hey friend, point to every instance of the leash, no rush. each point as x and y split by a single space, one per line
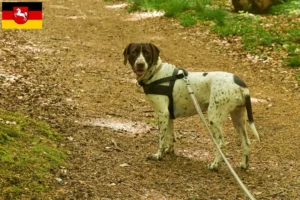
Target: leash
191 92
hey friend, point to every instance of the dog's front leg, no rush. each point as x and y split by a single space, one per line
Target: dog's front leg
166 136
166 129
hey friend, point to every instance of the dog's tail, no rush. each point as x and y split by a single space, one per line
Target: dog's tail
250 116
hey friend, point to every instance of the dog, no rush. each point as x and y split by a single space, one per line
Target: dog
220 93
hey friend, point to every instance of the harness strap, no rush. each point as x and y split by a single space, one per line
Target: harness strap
167 90
170 94
174 77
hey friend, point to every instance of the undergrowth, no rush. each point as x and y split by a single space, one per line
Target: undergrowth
257 32
28 156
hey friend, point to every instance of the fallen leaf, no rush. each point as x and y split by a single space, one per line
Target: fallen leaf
58 179
124 165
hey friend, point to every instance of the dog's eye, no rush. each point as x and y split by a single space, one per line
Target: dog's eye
146 53
134 53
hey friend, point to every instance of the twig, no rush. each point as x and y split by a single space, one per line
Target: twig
116 145
272 195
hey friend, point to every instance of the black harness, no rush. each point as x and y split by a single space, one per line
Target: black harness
167 90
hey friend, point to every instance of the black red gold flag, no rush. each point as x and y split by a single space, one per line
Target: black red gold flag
22 15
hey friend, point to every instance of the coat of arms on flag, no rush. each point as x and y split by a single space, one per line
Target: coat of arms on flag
21 15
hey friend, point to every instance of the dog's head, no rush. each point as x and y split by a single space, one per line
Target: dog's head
141 56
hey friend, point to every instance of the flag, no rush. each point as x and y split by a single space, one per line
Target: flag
21 15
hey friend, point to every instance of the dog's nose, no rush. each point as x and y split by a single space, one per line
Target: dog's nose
140 66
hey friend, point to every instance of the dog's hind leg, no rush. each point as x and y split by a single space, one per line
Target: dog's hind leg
216 122
238 116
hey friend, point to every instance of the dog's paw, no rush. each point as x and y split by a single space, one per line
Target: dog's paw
213 166
243 166
155 157
169 150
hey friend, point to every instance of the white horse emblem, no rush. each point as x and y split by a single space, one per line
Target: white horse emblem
19 13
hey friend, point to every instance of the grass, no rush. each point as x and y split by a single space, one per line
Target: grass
294 61
252 36
288 7
28 156
175 7
188 19
258 34
215 15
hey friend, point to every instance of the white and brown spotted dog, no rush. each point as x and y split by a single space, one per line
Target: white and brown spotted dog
221 93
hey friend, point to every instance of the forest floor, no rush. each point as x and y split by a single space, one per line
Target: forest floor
71 75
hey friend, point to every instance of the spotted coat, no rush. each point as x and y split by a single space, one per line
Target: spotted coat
220 93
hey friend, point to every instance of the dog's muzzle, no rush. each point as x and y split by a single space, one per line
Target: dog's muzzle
140 69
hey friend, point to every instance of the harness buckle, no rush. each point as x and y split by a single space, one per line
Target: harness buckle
186 80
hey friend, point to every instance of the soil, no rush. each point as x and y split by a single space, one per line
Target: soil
71 74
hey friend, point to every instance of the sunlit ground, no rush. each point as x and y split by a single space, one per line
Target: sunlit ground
136 15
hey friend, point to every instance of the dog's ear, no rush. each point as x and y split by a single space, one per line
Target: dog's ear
126 53
155 53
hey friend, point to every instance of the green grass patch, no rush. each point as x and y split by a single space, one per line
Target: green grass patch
251 31
188 19
201 5
173 8
28 155
259 34
294 35
287 7
294 61
216 15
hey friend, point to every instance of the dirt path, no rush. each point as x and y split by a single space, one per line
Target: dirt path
109 127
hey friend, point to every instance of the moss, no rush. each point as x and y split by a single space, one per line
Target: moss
28 156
